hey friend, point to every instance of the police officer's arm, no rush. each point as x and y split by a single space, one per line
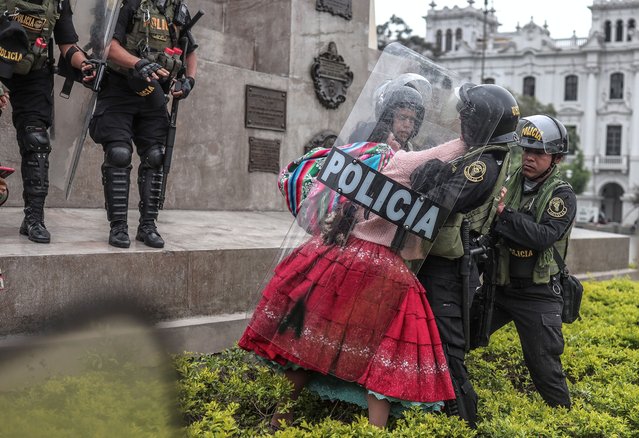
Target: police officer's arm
466 185
521 228
188 81
66 38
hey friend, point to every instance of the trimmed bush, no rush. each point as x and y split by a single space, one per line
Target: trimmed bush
233 394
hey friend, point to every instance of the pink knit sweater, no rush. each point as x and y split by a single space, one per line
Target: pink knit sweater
400 167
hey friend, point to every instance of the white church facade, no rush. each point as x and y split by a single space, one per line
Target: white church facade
592 82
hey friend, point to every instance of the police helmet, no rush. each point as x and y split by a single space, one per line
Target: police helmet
410 91
488 113
542 132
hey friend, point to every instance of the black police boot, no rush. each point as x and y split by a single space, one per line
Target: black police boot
35 183
33 223
150 186
116 183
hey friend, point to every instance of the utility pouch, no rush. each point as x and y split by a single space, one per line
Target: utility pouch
572 292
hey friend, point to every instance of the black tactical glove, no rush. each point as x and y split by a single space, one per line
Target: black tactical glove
185 85
146 68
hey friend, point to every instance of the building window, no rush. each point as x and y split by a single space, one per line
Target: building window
631 29
619 31
570 90
613 140
607 31
489 80
449 40
458 35
529 86
616 86
438 40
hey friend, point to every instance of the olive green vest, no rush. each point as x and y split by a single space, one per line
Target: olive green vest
545 266
150 33
448 243
38 21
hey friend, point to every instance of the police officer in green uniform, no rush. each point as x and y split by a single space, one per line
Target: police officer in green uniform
536 213
473 183
29 85
142 68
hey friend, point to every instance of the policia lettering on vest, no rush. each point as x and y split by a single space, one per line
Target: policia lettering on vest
144 66
449 275
26 74
536 213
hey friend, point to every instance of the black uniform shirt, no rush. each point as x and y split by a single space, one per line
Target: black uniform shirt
526 238
459 186
64 31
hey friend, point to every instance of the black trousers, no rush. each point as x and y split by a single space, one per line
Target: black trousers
536 312
123 116
444 288
30 98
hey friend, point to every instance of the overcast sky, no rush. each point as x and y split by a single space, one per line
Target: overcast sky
562 16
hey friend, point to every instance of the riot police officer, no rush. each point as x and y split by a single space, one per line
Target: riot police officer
536 214
468 187
142 68
26 27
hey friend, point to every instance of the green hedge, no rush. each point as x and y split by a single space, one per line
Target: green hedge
234 395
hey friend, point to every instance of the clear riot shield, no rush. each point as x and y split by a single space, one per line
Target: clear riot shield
341 300
94 22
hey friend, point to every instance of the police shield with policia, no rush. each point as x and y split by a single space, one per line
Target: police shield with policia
28 30
152 54
342 314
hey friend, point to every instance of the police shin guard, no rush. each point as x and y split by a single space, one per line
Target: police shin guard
116 183
35 148
150 186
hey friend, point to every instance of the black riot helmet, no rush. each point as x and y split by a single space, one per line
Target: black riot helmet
488 114
542 132
410 91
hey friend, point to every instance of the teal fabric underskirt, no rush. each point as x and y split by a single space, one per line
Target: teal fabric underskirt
331 388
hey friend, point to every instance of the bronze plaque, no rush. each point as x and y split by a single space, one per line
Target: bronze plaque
264 155
343 8
331 77
265 108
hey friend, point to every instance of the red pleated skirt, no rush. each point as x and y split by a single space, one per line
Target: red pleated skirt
355 312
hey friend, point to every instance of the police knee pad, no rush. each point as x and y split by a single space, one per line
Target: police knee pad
118 155
153 158
34 139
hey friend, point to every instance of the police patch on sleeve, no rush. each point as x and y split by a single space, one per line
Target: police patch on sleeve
475 172
557 207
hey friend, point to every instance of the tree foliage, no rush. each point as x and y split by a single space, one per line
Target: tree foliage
396 30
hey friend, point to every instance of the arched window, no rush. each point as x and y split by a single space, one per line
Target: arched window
449 40
529 86
616 86
458 35
619 31
438 40
608 31
570 88
631 29
489 80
